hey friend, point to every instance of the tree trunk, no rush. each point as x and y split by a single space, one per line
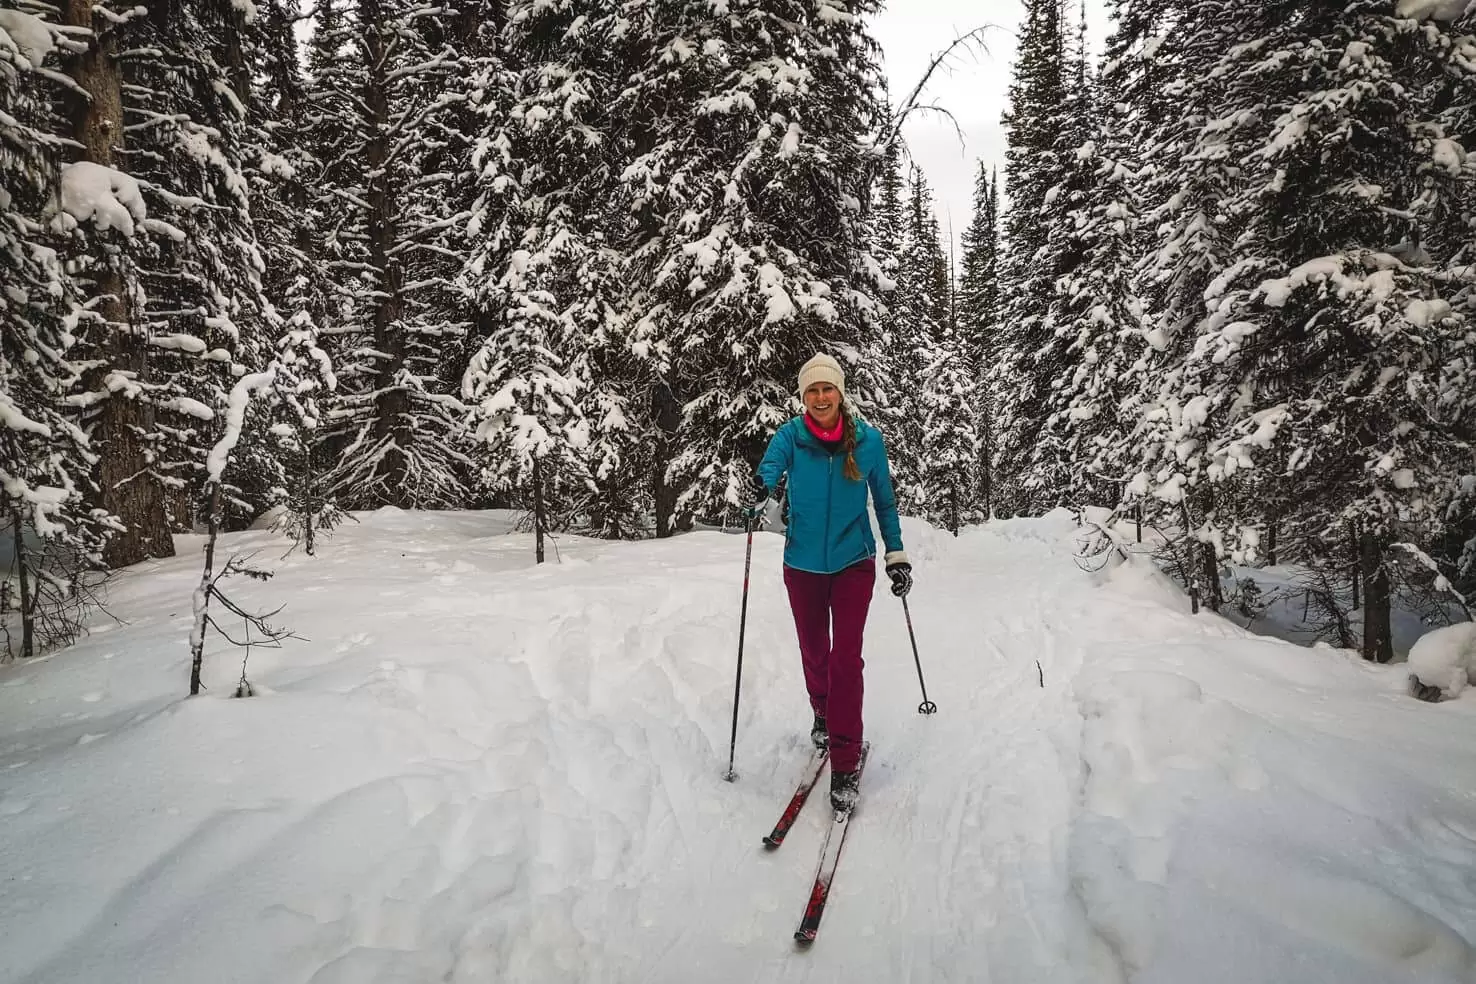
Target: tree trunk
28 615
126 486
392 403
1273 523
202 593
1214 595
1356 542
310 498
1378 637
986 456
538 518
668 416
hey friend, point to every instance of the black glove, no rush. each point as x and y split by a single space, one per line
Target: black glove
758 494
901 575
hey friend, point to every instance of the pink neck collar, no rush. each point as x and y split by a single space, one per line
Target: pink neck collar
834 434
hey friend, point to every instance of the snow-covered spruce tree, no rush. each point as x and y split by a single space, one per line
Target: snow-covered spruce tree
1331 361
916 316
202 307
978 329
892 399
1048 472
51 535
1036 125
102 221
526 409
282 170
753 186
921 364
1160 72
385 80
944 403
1096 315
547 277
304 381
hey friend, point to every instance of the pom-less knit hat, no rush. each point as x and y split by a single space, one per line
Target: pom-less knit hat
822 369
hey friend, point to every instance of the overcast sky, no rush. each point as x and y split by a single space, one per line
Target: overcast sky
974 88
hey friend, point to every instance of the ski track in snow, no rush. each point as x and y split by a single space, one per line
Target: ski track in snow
476 770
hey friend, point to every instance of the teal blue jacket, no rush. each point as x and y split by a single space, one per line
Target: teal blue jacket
828 527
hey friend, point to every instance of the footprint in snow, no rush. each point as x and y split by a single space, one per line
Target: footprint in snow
356 641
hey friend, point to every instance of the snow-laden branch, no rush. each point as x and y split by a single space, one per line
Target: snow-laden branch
236 405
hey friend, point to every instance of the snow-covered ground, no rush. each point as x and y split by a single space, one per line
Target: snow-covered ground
474 770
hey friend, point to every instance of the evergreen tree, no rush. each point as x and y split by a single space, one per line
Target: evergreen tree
1037 129
203 308
288 217
1161 67
949 442
45 459
888 352
920 354
386 82
1096 315
1326 370
912 338
751 184
978 329
100 222
545 279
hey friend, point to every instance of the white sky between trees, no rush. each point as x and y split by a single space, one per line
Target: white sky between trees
974 87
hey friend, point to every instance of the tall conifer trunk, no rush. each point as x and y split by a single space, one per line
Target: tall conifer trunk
127 487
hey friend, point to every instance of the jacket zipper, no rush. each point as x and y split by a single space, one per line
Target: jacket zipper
829 503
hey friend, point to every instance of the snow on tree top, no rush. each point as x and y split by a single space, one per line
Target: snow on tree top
1443 10
27 34
1451 156
109 199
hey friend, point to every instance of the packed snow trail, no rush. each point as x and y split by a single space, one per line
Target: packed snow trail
477 770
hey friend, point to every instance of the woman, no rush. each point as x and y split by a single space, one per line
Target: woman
832 459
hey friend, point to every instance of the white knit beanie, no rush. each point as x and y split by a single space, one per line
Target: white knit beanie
822 369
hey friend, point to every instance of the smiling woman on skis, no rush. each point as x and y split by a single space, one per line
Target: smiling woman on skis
833 460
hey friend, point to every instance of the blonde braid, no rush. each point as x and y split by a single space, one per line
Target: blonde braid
852 470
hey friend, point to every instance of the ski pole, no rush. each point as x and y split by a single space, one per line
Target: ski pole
927 706
742 625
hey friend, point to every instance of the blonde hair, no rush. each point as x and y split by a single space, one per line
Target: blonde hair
852 470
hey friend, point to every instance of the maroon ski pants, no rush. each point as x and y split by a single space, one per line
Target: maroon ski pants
830 616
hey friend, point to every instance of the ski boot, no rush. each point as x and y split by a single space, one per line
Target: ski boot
845 789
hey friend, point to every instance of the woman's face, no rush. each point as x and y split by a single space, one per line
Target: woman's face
823 402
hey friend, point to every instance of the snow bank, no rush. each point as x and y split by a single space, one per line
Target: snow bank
1256 811
470 768
1446 658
